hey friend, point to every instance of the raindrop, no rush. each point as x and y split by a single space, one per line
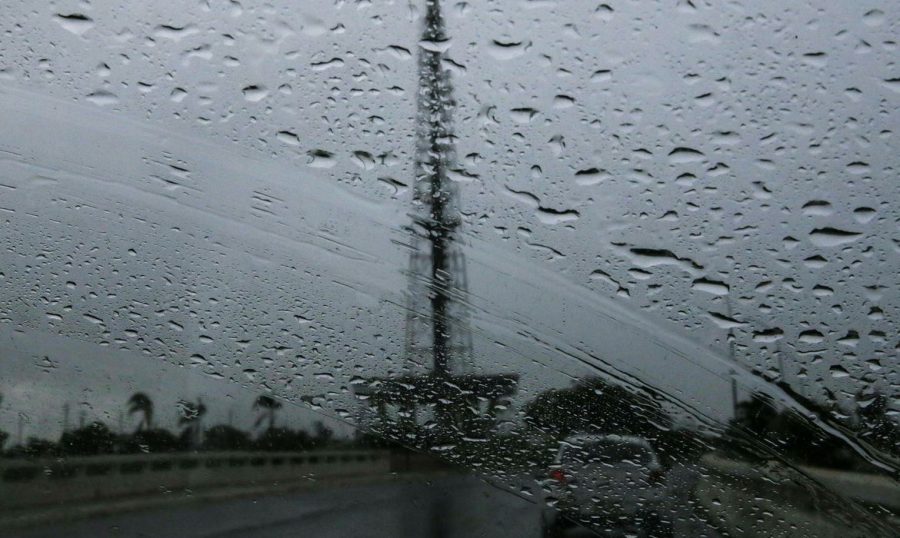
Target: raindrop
710 286
103 98
874 17
178 95
502 50
858 167
436 46
818 208
563 101
685 155
604 12
556 216
328 64
590 176
838 372
811 337
76 23
288 138
863 215
254 93
650 257
175 33
92 319
319 158
768 335
892 84
725 322
601 75
363 159
815 262
401 53
832 237
523 115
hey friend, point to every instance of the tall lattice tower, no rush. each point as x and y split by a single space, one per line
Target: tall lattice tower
437 381
438 334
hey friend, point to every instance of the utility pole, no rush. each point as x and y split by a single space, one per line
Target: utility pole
731 357
65 425
780 357
734 392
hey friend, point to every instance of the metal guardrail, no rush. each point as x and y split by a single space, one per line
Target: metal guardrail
96 466
27 484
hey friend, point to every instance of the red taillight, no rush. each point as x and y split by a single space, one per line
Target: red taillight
558 475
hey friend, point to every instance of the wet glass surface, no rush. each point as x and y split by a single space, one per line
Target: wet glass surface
422 268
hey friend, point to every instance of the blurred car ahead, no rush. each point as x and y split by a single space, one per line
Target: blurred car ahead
610 482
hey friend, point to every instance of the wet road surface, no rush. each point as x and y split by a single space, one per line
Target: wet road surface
444 507
448 507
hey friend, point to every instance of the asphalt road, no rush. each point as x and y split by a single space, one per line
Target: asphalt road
445 507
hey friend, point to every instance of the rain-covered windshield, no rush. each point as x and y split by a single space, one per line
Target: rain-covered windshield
361 268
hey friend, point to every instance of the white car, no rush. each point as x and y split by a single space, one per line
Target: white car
606 481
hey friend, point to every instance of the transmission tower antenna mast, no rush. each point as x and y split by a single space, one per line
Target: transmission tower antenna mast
437 349
437 322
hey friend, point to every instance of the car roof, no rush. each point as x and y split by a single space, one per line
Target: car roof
593 438
582 439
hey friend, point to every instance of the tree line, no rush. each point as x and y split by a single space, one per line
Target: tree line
758 430
96 438
760 424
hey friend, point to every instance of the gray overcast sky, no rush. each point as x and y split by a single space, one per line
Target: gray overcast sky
722 168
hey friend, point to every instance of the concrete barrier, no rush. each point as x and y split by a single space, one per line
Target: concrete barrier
28 484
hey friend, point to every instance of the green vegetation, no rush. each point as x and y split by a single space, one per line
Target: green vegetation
590 405
760 429
97 438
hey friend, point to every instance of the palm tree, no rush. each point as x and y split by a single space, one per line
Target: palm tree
141 403
269 406
191 418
